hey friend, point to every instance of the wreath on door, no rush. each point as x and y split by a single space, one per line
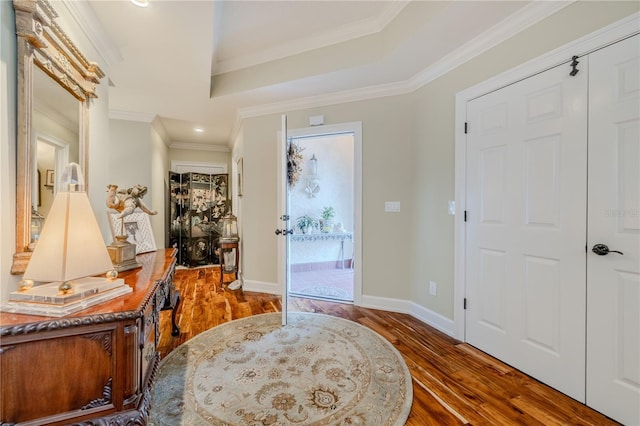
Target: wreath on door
294 163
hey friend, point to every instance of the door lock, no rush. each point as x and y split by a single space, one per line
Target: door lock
603 250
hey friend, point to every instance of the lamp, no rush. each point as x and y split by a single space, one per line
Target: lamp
69 250
313 166
229 228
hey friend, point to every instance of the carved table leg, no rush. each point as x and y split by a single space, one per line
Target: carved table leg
175 330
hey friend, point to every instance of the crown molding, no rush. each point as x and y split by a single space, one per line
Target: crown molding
345 33
199 146
85 17
502 31
507 28
142 117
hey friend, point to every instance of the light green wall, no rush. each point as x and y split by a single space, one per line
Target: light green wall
408 156
433 142
160 187
386 128
99 150
7 148
140 156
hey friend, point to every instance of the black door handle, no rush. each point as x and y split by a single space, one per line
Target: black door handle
603 250
284 231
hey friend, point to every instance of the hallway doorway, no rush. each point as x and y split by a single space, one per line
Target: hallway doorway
321 207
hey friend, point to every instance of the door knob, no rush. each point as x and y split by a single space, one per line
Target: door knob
278 232
603 250
284 231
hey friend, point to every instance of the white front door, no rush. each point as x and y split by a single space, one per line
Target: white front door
526 200
613 280
283 222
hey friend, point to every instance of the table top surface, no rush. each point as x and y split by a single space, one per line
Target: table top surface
143 281
320 236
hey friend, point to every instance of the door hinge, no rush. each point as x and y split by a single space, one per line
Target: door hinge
465 215
574 66
464 303
466 127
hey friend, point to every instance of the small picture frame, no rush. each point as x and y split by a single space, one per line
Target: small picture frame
240 164
50 179
137 227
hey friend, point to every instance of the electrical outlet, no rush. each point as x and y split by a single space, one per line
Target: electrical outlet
433 288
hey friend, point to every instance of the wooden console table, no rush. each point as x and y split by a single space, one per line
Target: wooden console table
93 367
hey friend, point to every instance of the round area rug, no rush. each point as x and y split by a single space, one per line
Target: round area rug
316 370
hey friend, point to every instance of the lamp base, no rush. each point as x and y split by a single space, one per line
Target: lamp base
50 293
46 300
123 254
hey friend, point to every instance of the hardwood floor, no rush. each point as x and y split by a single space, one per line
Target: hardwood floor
453 383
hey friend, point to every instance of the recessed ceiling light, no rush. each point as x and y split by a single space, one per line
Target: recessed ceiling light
140 3
198 129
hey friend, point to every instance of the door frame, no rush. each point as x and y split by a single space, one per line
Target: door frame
355 128
617 31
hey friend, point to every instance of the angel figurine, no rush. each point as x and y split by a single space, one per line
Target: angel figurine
126 201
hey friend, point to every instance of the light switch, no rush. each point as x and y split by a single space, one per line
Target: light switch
452 207
392 206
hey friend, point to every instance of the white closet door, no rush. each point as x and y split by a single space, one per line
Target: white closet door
526 202
613 280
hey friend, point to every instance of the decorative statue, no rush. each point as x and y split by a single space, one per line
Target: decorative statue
125 201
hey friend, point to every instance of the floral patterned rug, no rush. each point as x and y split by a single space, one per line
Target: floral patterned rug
316 370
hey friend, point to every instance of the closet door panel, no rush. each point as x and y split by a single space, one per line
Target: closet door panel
613 280
526 202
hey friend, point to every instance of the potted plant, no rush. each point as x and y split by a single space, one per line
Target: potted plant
306 223
327 214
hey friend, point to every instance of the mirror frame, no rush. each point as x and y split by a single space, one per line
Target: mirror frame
42 43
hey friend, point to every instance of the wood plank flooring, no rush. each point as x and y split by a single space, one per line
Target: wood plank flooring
453 383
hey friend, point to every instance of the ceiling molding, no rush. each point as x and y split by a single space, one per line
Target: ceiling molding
507 28
342 34
131 116
90 25
199 146
517 22
360 94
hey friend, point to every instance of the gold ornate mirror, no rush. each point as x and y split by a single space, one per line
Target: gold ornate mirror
46 55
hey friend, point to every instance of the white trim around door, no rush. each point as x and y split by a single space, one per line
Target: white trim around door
356 129
615 32
179 166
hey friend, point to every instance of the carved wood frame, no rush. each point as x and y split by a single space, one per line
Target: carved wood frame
41 42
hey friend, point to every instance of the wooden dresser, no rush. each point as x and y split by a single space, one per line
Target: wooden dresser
94 367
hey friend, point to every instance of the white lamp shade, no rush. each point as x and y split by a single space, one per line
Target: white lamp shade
71 244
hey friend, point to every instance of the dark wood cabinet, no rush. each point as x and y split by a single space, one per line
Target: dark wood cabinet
94 367
197 202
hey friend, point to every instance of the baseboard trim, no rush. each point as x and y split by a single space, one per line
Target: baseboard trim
261 287
425 315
